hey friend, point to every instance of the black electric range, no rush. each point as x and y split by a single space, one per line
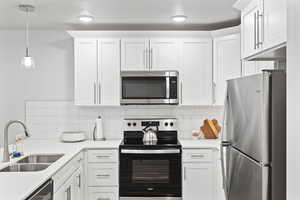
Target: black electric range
150 171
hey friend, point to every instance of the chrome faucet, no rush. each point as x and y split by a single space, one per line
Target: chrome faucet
6 151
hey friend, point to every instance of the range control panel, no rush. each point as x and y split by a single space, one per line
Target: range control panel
163 124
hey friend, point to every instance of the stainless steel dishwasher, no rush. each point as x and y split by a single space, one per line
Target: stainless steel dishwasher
44 192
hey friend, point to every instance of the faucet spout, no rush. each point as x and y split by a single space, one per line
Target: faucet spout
6 150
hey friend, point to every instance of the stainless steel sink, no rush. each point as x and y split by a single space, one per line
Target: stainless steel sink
25 168
41 158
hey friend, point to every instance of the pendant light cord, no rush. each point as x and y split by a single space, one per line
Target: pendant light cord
26 33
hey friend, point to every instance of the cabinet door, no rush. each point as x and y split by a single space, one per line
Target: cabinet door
195 72
249 29
275 22
77 178
65 192
198 181
227 64
134 54
109 72
164 54
86 65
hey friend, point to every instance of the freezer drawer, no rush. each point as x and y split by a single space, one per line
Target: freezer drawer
247 179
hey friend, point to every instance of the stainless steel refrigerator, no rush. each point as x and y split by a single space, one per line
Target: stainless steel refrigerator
253 151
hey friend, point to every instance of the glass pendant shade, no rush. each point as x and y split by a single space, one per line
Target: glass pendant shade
27 61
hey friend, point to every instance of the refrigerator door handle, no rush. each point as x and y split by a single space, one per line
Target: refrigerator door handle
223 168
224 144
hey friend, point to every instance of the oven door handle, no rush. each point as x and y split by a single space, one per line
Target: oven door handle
160 151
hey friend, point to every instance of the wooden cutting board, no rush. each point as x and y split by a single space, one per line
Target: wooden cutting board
211 129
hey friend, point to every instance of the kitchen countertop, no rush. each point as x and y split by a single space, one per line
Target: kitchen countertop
19 185
201 143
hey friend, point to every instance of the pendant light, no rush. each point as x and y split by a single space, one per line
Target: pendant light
85 17
27 61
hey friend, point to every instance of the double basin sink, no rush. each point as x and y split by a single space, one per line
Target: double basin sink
32 163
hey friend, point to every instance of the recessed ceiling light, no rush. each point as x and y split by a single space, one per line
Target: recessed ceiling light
179 18
85 17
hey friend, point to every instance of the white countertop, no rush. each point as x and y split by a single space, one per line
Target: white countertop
19 185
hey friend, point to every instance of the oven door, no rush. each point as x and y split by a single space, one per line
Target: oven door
149 88
150 173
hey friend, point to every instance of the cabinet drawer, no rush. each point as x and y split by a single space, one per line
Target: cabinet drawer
103 193
100 156
102 175
197 155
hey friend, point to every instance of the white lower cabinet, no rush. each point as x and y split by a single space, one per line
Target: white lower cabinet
103 193
68 182
198 181
65 192
201 175
102 171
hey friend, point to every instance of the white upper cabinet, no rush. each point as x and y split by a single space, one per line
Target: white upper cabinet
195 72
134 54
226 65
86 66
250 29
164 54
109 71
263 24
275 22
97 70
140 54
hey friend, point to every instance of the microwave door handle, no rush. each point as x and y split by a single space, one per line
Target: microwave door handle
168 88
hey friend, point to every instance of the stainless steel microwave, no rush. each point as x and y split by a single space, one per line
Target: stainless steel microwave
149 87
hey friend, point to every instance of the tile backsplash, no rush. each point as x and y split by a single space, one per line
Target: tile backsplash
47 119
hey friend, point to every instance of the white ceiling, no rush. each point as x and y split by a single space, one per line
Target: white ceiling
62 14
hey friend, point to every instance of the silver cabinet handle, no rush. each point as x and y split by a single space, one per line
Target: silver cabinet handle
144 58
255 31
99 94
147 59
79 180
102 175
151 58
106 157
260 18
68 191
197 156
214 92
181 95
95 92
